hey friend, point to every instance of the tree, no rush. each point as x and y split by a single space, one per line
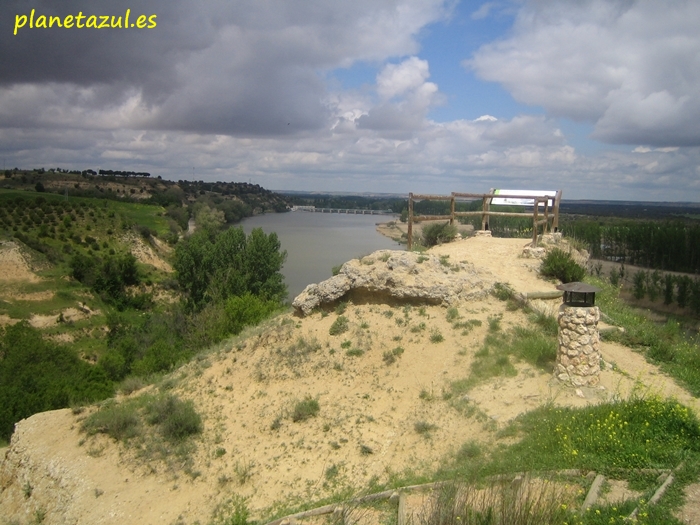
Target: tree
210 219
211 268
38 375
109 277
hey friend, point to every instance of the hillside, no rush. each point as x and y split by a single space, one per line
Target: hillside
384 389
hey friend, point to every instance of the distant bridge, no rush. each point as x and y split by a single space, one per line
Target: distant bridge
349 211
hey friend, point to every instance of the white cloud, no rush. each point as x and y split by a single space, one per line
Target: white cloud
632 68
241 92
397 79
483 11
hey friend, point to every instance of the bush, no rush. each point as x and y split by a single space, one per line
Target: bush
305 409
439 233
177 419
339 326
247 310
38 375
561 265
120 422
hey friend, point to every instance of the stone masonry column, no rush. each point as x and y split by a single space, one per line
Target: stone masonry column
578 358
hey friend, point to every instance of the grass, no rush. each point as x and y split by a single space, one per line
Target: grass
495 323
666 345
156 427
498 504
420 327
305 409
642 432
436 336
500 350
452 314
617 439
389 357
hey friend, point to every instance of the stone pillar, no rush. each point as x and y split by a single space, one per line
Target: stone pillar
578 358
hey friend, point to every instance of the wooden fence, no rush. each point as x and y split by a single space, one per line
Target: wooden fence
550 213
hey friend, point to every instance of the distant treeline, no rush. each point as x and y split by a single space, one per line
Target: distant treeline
352 202
120 173
672 245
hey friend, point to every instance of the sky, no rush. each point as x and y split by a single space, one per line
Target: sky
598 98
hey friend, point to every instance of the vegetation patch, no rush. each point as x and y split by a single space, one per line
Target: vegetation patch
667 345
390 357
638 433
561 265
305 409
438 233
339 326
175 419
495 357
424 428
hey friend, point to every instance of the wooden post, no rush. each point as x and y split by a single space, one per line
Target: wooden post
534 223
546 216
452 209
555 222
485 210
410 221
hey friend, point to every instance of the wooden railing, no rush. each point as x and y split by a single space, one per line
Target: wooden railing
548 202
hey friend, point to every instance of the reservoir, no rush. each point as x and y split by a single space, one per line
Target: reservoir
316 242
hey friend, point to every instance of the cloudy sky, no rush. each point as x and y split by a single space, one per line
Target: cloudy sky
600 98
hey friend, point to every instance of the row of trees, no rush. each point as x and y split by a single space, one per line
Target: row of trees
669 245
678 289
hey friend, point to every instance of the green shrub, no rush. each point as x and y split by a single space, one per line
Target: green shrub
305 409
177 419
439 233
38 375
561 265
452 314
502 291
339 326
423 427
118 421
436 336
247 310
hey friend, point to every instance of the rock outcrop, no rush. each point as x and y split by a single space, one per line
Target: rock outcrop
402 276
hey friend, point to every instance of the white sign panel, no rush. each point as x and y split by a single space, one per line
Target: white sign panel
512 201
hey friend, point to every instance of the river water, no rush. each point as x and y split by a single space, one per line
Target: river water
316 242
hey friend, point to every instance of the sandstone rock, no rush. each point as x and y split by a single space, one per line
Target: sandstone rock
399 275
